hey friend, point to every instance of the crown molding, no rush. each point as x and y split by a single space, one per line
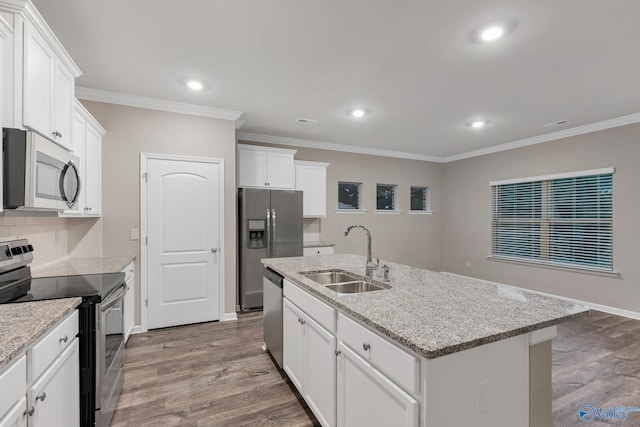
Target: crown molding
566 133
80 109
156 104
305 143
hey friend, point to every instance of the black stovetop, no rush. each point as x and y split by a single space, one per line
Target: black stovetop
95 286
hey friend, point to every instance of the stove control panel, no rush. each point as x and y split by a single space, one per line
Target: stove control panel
15 254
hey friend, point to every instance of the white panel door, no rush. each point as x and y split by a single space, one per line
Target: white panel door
368 398
16 416
252 168
280 171
183 217
63 105
92 172
39 61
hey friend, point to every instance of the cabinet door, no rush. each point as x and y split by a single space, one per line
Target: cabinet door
320 372
39 62
56 394
77 146
93 172
252 168
129 301
312 181
367 398
62 105
16 416
279 171
292 344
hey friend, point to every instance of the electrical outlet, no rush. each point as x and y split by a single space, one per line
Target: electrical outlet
482 397
135 234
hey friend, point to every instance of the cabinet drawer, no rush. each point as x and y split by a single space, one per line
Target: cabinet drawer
324 250
312 306
50 347
13 383
400 366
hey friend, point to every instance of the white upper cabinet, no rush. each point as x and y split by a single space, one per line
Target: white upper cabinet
265 167
311 179
48 88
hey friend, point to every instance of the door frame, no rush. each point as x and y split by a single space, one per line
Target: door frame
144 286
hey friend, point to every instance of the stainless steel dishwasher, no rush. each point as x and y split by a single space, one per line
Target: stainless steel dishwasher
272 314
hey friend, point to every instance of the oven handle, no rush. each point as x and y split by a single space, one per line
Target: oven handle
113 297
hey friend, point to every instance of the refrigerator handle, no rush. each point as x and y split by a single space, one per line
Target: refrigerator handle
273 236
268 245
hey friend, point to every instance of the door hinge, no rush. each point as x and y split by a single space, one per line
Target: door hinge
146 240
145 175
146 303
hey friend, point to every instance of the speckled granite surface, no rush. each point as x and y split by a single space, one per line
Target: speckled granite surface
91 265
21 324
318 244
433 314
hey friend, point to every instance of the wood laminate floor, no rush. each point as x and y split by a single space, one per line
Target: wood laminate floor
216 374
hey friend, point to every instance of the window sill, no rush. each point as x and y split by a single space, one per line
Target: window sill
584 270
351 211
386 212
420 212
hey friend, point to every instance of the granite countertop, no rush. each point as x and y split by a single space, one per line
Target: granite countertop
433 314
90 265
21 324
318 244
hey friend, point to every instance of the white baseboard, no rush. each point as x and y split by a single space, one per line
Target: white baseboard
137 329
599 307
229 316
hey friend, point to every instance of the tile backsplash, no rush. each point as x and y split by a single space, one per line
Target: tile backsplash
54 238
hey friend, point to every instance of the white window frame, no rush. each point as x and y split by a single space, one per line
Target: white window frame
395 209
427 210
359 209
545 262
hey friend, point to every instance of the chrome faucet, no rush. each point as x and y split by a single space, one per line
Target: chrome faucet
370 265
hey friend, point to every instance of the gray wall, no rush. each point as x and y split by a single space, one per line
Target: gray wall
131 131
409 239
467 210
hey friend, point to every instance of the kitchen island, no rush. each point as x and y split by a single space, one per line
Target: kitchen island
434 349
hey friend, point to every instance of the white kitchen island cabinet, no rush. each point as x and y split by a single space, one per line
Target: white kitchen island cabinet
309 359
429 349
265 167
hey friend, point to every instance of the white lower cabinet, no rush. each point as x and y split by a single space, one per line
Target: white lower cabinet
129 300
368 398
55 396
42 388
16 416
309 360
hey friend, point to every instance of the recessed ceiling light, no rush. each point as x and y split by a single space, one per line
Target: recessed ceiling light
492 33
194 85
358 113
477 124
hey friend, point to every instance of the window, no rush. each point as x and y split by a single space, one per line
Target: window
349 195
385 197
419 199
563 220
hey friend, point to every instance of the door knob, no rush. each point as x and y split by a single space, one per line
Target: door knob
214 250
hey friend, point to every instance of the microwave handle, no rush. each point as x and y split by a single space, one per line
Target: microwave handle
69 167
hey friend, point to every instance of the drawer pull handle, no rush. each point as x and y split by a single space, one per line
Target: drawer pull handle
63 339
29 412
302 322
42 396
338 352
366 346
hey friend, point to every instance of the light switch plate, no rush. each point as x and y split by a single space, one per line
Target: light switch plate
135 234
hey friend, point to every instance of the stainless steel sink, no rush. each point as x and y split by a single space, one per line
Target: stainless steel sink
344 282
354 287
329 277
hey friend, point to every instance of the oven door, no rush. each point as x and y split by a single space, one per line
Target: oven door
52 179
109 354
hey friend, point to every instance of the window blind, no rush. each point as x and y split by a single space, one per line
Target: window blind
561 221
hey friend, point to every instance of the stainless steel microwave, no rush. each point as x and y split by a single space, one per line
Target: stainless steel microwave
38 173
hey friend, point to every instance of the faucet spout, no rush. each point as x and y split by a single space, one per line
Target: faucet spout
370 265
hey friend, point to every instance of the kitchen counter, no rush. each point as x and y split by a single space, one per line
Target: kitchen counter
431 313
21 324
90 265
318 244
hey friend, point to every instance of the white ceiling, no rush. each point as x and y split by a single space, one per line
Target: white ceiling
412 64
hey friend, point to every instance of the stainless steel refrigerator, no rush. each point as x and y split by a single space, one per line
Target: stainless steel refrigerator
269 226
